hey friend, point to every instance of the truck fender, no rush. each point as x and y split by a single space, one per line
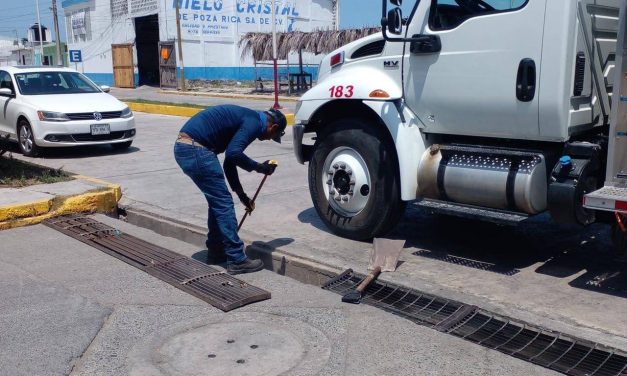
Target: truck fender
409 142
355 82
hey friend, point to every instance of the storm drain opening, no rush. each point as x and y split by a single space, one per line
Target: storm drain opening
550 349
469 263
207 283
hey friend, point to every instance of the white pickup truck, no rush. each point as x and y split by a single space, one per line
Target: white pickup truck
491 109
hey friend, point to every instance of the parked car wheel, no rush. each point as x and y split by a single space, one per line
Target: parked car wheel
354 181
26 139
122 145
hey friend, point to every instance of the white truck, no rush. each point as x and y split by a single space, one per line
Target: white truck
491 109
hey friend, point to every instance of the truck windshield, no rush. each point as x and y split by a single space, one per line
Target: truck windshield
46 83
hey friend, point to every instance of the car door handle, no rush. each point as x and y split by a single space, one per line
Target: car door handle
526 80
425 44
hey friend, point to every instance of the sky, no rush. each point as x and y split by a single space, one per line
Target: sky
21 14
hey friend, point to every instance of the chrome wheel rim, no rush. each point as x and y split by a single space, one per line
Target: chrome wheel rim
346 181
26 139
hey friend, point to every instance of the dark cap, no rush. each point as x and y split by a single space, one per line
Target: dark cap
278 118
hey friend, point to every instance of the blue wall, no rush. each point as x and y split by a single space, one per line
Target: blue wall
242 73
218 73
105 78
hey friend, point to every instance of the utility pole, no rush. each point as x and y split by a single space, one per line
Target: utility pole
41 38
274 58
56 31
19 52
180 44
337 15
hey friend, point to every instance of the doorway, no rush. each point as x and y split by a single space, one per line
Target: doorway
147 44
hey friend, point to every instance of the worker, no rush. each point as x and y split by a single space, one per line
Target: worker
227 129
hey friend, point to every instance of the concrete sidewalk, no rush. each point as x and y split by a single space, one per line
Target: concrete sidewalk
33 204
67 308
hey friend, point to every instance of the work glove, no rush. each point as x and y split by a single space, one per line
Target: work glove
266 168
248 203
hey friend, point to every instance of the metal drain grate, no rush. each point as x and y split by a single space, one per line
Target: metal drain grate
566 354
469 263
194 277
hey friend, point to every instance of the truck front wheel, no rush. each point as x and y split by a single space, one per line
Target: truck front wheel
353 181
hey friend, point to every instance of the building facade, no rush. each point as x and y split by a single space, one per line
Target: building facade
120 40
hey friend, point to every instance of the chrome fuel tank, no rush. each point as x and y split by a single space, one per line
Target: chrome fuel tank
487 177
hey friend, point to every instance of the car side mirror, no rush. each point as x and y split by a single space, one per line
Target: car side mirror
395 21
6 92
105 88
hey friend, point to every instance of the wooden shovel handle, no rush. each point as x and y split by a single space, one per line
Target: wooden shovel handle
369 278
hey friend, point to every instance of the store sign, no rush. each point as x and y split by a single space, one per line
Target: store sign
78 22
215 19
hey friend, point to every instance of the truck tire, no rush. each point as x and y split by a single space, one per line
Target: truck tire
354 180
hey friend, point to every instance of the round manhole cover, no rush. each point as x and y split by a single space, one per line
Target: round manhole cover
231 348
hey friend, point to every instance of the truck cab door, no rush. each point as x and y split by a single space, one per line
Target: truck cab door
482 81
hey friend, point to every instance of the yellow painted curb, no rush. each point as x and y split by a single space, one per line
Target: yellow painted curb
101 200
166 109
231 96
163 109
30 209
290 118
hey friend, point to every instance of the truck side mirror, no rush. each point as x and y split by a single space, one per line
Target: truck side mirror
395 21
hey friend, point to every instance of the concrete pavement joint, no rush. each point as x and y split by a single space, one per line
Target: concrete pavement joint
77 362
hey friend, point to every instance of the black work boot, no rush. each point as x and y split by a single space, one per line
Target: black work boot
246 266
216 256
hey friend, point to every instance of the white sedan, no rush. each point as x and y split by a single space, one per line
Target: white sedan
54 107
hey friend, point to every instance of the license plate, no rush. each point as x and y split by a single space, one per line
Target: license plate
97 129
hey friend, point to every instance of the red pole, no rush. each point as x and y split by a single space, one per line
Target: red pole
276 86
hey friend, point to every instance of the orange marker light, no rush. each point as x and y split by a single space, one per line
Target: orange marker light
379 94
165 53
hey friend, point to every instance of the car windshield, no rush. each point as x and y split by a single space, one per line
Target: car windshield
45 83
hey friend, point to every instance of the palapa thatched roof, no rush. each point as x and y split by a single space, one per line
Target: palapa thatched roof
259 45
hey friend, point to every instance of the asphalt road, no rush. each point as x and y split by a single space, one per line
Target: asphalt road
67 308
559 277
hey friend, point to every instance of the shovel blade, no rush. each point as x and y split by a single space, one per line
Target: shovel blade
385 254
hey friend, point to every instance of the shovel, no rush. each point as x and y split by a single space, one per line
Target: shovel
247 213
383 258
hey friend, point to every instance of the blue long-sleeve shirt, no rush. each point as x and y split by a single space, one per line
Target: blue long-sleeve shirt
228 129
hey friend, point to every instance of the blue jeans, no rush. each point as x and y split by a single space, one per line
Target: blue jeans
204 168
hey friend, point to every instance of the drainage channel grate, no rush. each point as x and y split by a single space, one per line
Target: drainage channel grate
559 352
469 263
194 277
